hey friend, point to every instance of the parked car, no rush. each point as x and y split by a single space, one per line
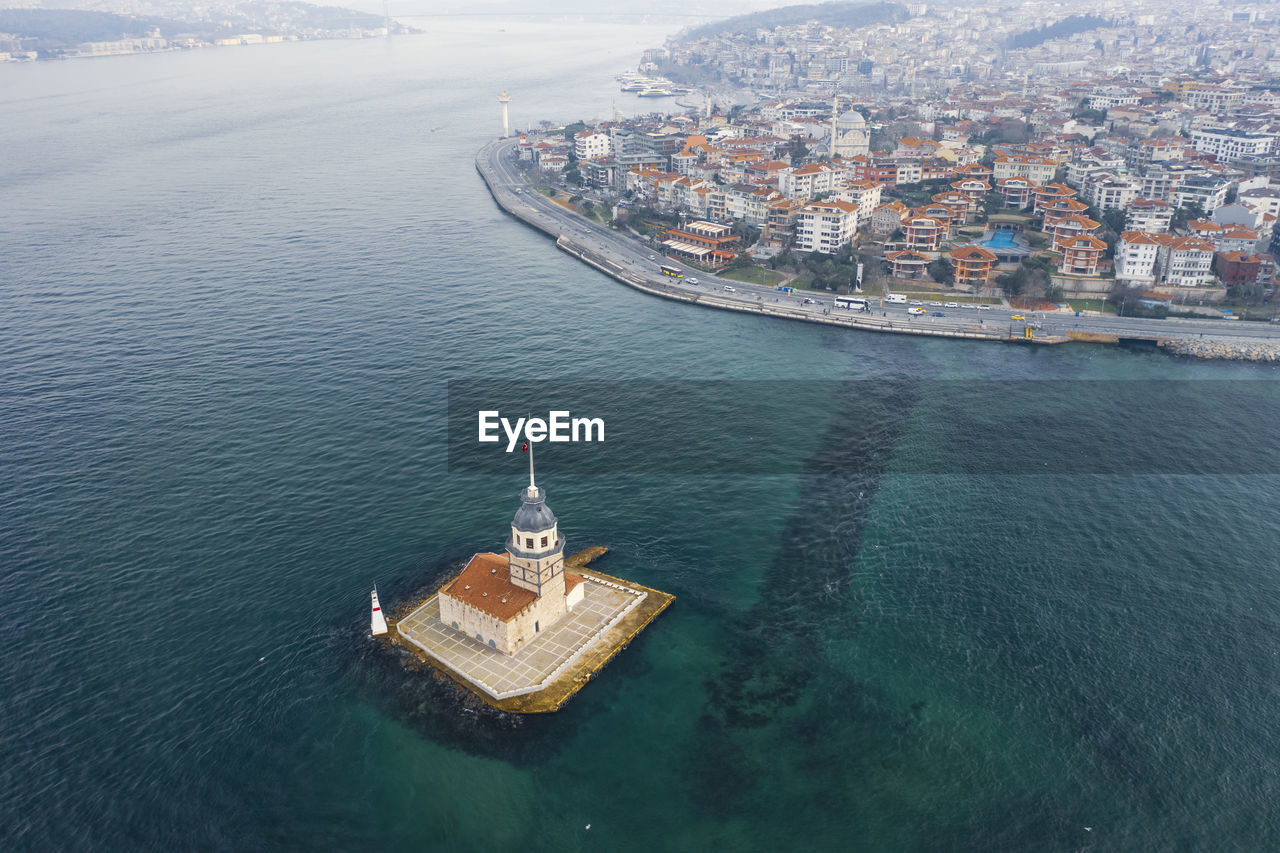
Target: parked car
916 302
938 314
691 280
809 301
1017 317
952 305
728 288
936 304
984 307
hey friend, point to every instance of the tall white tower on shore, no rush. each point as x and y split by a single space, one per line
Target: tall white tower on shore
505 99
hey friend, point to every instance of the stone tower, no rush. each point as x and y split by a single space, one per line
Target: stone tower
536 549
505 99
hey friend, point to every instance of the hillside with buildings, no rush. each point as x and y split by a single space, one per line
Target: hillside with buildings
107 28
1131 157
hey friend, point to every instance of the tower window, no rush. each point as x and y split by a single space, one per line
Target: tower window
528 542
544 541
535 627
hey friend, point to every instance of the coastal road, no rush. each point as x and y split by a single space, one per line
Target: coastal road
631 259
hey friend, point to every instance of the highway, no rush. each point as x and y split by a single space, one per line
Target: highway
635 262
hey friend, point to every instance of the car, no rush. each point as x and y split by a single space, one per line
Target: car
984 307
938 314
936 304
952 305
728 288
653 257
914 310
916 302
691 280
1017 317
808 301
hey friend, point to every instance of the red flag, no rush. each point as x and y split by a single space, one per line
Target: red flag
524 448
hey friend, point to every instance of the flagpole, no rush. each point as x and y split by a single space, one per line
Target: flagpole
532 486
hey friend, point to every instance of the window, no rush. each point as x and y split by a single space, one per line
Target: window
535 627
544 541
528 542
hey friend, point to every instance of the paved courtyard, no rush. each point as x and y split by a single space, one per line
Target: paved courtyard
538 663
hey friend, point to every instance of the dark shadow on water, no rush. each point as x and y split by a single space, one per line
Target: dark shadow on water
774 674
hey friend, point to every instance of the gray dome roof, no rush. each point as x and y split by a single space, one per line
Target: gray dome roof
852 117
534 515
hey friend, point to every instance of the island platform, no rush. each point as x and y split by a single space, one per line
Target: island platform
542 676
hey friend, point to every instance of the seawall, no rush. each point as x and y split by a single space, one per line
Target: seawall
655 285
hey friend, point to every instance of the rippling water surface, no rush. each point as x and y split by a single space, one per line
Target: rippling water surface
233 286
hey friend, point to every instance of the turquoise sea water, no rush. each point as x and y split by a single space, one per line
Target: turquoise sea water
233 287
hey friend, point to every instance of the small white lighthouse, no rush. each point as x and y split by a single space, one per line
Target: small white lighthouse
505 99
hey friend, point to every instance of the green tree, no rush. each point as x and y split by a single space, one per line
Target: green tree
942 271
1183 215
1013 283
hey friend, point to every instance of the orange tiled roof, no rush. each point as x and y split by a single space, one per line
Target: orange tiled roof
973 253
485 584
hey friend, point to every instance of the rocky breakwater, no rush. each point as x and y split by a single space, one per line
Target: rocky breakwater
1267 351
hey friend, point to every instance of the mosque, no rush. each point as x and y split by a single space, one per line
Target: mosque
849 133
505 601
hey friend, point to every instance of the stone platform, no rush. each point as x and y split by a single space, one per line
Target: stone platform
544 674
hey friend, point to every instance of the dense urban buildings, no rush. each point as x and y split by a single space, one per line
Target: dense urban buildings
1120 145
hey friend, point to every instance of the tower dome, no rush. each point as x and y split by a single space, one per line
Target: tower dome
533 516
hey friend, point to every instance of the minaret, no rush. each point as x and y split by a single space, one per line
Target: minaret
505 99
835 114
536 549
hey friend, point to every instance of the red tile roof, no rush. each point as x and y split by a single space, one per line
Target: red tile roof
485 584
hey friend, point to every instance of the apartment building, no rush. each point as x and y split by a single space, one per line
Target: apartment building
1226 143
825 226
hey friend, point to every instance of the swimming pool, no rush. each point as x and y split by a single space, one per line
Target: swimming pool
1000 240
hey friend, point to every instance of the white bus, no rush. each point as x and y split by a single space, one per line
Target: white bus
854 303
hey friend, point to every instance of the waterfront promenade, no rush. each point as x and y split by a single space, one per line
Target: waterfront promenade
631 263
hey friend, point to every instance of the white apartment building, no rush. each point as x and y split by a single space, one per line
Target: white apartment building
1143 258
1266 199
1187 262
804 182
1039 169
588 145
1146 214
1209 193
1106 191
1213 99
1136 255
1226 143
1105 99
865 194
825 226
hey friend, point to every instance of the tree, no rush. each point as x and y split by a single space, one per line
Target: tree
942 271
992 202
1113 219
1183 215
1013 283
573 176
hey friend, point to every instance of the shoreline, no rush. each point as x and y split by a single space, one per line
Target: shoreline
1255 350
